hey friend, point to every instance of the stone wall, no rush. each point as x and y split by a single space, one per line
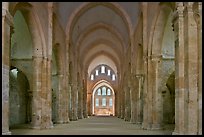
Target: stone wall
18 96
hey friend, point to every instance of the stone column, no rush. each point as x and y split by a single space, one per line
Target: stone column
122 98
199 29
37 89
65 99
144 5
139 103
145 106
70 90
74 97
7 22
157 97
85 114
127 102
118 103
191 67
134 98
70 101
150 102
178 24
60 99
89 98
74 93
67 81
80 100
45 94
48 115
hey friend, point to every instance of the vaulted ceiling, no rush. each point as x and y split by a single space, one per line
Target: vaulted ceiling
99 31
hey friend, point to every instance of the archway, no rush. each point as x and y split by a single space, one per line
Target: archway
19 98
103 100
20 76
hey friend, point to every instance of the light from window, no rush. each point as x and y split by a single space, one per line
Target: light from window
109 72
102 69
110 102
99 91
108 92
96 72
104 91
15 72
92 77
113 77
97 102
104 102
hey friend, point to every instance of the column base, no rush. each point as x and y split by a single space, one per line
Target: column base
6 133
36 127
132 122
139 123
59 122
192 133
157 127
146 126
67 121
80 117
177 133
74 119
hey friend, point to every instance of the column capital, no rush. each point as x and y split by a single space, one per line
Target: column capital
7 16
156 57
178 12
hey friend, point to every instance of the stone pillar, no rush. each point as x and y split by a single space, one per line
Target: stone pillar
67 81
7 22
127 103
60 99
191 68
145 64
70 101
45 94
66 99
74 97
80 100
70 90
89 98
178 23
157 97
122 97
134 99
37 99
48 110
199 29
145 106
148 94
118 103
85 114
139 102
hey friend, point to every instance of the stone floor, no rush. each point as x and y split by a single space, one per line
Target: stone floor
93 126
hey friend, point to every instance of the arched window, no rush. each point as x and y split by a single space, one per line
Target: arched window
104 91
92 77
108 92
102 69
97 102
96 72
99 91
110 102
113 77
104 102
109 72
